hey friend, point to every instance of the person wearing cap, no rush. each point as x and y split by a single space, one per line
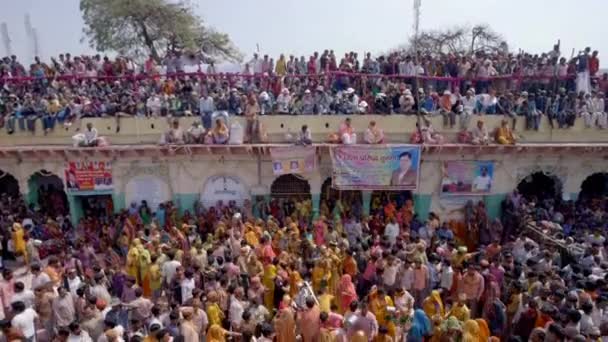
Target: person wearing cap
322 101
504 134
406 102
283 102
196 133
479 134
446 109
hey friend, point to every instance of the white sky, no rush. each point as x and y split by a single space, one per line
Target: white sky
301 27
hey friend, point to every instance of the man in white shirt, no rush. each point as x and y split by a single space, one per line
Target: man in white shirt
483 182
153 105
169 269
77 334
39 278
22 295
237 307
90 135
391 231
187 285
256 64
64 311
24 320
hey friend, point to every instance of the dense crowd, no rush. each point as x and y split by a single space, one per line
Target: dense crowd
73 87
272 270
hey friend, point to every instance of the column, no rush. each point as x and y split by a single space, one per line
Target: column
316 203
422 205
75 209
119 201
367 201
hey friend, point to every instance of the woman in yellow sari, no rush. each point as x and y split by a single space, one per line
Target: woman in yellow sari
144 262
320 275
18 238
270 273
379 301
484 329
433 305
470 331
133 260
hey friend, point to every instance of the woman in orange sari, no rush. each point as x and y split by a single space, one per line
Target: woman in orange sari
484 329
346 293
285 325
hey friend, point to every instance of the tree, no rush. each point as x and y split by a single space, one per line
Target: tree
152 27
457 39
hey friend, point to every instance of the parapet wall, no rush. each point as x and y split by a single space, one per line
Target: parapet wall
397 129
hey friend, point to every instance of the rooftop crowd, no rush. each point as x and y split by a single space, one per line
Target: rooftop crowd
271 270
531 85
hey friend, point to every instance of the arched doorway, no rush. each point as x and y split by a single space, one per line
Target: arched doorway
290 186
351 199
46 190
540 186
594 186
380 198
9 185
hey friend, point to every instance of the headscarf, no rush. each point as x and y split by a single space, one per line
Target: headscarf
346 285
433 305
421 326
452 323
484 330
470 331
215 334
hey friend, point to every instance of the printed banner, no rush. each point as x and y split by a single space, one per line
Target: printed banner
467 177
296 159
376 167
88 176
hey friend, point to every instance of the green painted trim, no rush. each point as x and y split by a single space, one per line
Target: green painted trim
119 201
574 196
185 201
316 203
422 205
75 205
494 204
367 201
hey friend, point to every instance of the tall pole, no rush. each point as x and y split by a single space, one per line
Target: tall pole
417 5
6 39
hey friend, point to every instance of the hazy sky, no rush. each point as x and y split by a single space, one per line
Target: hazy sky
300 27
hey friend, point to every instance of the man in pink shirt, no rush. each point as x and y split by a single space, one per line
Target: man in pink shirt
421 281
473 285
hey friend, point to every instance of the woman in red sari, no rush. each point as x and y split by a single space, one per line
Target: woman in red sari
346 292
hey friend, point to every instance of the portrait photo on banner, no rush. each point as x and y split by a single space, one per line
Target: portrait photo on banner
376 167
467 177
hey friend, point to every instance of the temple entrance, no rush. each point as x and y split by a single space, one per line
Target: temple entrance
382 198
290 186
349 202
46 190
9 185
594 186
540 186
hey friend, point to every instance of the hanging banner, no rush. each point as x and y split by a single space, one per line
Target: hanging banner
295 159
376 167
467 177
88 176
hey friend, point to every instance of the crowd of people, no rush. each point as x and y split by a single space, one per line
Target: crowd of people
273 270
73 87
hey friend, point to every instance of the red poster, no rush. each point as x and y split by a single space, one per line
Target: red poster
89 176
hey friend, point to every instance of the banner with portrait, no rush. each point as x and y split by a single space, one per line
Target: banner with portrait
88 176
467 177
294 159
376 167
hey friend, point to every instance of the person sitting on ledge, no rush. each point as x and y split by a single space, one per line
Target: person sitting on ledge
429 136
175 135
220 132
195 134
504 134
479 134
347 133
91 137
373 134
304 137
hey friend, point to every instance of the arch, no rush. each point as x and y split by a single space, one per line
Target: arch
594 186
225 188
540 185
9 185
150 188
47 190
290 185
329 195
